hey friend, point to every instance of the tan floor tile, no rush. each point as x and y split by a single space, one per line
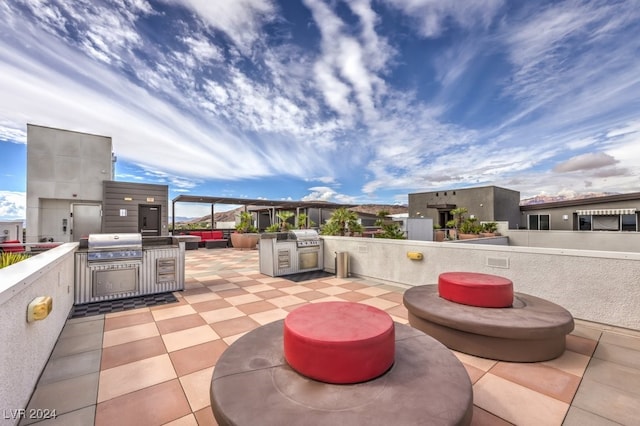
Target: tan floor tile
541 378
252 308
484 418
126 313
129 334
393 297
333 290
373 291
234 326
608 401
517 404
473 372
292 308
399 311
352 285
205 417
399 320
231 292
481 363
243 299
221 314
188 337
280 284
336 281
134 376
196 386
286 301
570 362
154 405
195 291
317 285
114 356
174 312
204 297
114 323
327 299
311 295
188 420
623 340
269 316
270 294
295 289
581 345
217 288
211 305
239 279
349 296
586 330
179 323
378 303
269 280
194 358
258 288
231 339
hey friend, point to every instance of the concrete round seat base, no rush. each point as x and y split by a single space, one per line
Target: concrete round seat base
532 330
339 342
472 288
253 384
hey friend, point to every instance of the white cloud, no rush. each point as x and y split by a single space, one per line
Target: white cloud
592 160
240 20
432 16
12 205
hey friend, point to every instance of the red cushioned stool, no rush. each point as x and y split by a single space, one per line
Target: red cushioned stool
470 288
339 342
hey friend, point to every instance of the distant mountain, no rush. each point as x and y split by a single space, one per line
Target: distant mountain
373 209
538 199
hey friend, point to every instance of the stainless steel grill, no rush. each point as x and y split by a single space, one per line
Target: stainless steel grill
114 247
305 237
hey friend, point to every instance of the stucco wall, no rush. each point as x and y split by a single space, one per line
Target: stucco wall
63 165
25 346
579 240
595 286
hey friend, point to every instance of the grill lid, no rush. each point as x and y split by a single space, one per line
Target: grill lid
304 234
102 242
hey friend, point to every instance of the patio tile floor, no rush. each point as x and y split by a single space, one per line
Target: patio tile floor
153 365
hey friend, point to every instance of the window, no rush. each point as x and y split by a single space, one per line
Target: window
629 222
584 222
606 222
539 222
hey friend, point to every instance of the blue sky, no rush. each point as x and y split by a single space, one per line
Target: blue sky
359 101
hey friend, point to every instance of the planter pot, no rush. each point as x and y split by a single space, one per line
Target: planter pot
439 235
462 236
244 241
487 234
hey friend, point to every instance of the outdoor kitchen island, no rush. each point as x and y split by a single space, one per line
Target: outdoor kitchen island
118 266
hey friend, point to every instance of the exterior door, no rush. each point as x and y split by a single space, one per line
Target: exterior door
149 220
86 219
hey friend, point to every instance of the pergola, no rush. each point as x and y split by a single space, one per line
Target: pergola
259 205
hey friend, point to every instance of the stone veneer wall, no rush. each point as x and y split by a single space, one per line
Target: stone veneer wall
599 286
26 347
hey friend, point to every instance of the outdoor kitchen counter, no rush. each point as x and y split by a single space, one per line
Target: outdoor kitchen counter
159 270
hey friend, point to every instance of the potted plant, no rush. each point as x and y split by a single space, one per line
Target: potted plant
469 229
246 236
454 224
489 229
284 216
439 233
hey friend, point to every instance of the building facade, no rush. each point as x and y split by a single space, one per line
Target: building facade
487 204
607 213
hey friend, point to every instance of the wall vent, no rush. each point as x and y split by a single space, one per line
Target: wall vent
363 249
498 262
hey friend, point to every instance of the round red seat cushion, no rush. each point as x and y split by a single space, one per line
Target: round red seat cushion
339 342
475 289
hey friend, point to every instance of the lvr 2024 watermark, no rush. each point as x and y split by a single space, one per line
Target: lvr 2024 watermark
31 414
